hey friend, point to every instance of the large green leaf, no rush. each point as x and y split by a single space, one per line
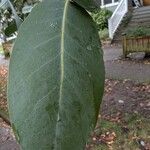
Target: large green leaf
89 5
56 78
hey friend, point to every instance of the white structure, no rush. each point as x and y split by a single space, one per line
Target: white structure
119 9
117 17
122 7
110 4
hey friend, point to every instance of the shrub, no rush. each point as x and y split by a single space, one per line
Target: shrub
20 4
139 31
104 34
9 22
101 18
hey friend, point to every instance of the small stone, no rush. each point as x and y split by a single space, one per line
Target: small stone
94 139
148 105
141 104
136 112
142 143
121 101
137 56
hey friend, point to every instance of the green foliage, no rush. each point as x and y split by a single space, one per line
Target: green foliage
104 34
56 78
139 31
9 22
11 28
101 18
20 4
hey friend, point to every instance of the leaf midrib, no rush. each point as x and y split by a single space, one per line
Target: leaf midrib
62 50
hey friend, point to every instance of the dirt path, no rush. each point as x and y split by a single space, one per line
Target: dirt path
112 52
7 141
3 61
138 71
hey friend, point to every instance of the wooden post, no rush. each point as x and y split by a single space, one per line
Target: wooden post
141 1
130 7
124 43
102 2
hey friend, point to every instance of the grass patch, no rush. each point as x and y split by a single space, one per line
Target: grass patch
104 34
132 132
1 49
